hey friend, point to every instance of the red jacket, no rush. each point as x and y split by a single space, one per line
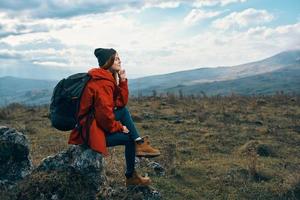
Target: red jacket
107 95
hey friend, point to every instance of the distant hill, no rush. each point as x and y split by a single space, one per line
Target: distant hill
280 72
27 91
196 77
286 79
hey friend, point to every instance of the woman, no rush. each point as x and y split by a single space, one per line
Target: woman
111 124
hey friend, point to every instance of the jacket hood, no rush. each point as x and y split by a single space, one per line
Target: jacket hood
99 73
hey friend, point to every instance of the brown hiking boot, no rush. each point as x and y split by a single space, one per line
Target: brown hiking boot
145 150
138 180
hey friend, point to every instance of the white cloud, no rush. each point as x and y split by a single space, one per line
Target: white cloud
281 37
160 4
231 48
10 26
137 44
206 3
146 50
9 54
150 50
51 63
197 15
67 8
226 2
244 18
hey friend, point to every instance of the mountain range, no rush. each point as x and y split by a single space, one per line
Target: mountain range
280 72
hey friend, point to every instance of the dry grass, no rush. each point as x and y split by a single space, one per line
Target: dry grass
204 144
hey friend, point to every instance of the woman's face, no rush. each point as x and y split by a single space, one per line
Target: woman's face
117 63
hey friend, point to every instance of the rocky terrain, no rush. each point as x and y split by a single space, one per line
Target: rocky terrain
76 173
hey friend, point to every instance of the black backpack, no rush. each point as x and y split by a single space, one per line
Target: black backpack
65 102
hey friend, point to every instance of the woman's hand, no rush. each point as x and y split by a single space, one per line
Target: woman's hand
125 130
122 75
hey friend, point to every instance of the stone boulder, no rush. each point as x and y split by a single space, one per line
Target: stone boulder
131 192
15 162
76 173
79 159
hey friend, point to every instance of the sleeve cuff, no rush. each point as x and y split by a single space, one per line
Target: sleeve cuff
123 82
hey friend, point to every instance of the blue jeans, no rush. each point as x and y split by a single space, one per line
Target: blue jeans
127 139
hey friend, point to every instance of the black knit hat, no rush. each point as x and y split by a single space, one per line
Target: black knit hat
103 55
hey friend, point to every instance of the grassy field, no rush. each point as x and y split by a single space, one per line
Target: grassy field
212 147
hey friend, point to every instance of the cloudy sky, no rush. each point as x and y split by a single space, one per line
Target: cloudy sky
38 37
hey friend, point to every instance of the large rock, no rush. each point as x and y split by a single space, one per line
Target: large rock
76 173
15 162
79 159
131 192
